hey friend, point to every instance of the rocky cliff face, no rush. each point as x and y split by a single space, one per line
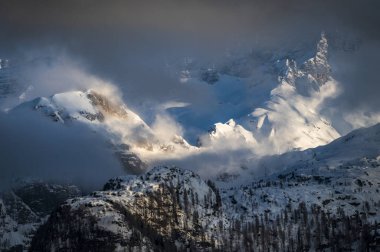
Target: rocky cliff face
165 209
313 73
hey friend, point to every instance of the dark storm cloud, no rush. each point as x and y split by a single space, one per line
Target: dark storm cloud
32 146
358 73
130 42
198 19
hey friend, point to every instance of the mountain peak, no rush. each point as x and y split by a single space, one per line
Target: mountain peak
322 48
312 74
318 68
228 132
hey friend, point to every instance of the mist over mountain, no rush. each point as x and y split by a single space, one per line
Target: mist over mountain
122 40
40 151
219 125
183 67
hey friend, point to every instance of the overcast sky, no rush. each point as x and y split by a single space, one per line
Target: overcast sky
129 42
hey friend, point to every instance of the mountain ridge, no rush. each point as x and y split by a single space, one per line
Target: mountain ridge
346 193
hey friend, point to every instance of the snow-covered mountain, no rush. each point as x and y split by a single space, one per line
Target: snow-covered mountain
306 206
276 176
291 118
345 164
256 96
272 102
171 202
129 135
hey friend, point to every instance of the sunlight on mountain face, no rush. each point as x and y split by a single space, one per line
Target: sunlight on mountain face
290 117
189 125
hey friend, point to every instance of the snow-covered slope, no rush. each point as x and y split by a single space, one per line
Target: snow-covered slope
291 119
131 137
168 208
229 132
364 142
164 203
306 206
311 173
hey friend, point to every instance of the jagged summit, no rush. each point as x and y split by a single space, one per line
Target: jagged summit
312 74
292 113
318 66
290 118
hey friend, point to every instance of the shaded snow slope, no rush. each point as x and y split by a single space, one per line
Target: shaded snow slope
360 143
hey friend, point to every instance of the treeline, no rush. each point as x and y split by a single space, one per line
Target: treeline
304 229
295 228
